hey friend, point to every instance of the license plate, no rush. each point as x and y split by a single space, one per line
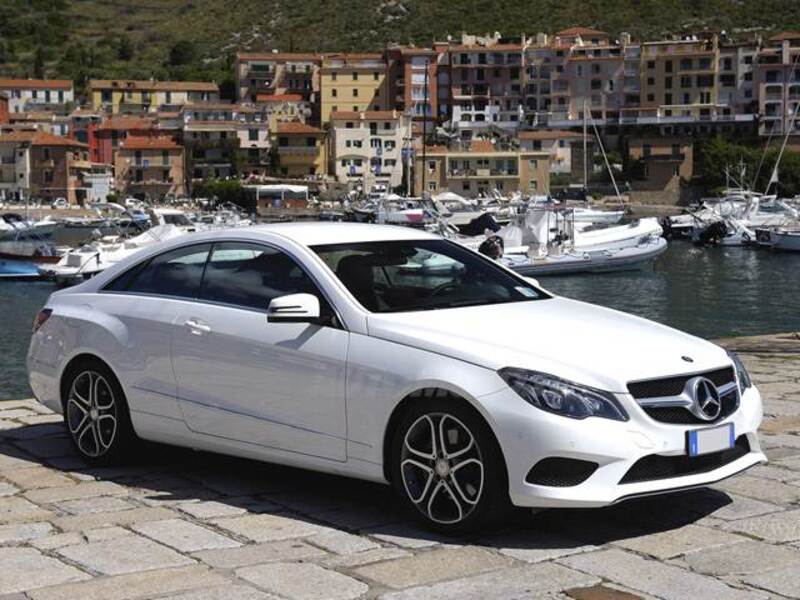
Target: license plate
705 441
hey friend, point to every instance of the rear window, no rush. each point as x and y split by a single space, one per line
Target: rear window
175 273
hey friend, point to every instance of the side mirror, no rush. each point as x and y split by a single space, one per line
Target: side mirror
294 308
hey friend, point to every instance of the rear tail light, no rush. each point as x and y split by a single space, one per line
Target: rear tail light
40 318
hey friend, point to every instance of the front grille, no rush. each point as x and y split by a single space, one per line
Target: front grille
678 415
557 471
655 467
673 386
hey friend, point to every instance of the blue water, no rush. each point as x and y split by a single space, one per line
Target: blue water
710 292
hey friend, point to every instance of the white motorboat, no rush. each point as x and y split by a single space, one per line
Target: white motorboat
786 240
15 227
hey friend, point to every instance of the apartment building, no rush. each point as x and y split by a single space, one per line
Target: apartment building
223 140
36 164
134 97
777 80
659 163
353 82
108 136
410 72
559 145
286 108
150 168
3 108
24 95
267 74
301 150
479 167
365 148
485 87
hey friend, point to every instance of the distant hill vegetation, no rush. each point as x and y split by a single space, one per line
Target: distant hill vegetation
197 39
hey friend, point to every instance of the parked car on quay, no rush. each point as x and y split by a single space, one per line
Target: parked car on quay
392 355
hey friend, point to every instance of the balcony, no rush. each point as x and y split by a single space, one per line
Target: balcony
664 157
309 150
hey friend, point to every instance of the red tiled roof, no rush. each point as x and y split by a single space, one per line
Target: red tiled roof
548 134
296 127
280 56
785 35
36 84
580 31
127 123
40 138
150 143
481 48
147 85
279 97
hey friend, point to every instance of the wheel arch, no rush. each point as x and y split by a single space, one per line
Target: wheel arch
72 364
422 394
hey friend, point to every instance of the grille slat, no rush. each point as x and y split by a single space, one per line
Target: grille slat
655 467
673 386
556 471
677 415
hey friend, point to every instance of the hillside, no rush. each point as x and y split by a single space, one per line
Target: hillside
80 39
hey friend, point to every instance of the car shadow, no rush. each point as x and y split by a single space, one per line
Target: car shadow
167 476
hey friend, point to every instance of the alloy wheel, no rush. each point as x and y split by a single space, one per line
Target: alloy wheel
92 413
442 468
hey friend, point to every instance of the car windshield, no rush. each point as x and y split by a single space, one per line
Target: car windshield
399 276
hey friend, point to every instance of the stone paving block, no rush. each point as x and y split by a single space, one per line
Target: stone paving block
103 534
41 419
87 489
267 527
123 555
224 592
23 532
748 557
6 489
341 542
535 546
50 447
774 527
743 507
781 440
300 581
31 478
408 535
358 559
58 540
652 577
183 535
210 509
773 472
436 565
122 517
22 569
755 487
146 584
669 544
355 519
784 581
14 458
14 509
16 413
254 554
88 506
530 581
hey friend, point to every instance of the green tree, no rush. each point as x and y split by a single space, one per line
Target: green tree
125 48
38 63
181 53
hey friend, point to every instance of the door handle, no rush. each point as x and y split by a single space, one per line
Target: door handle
197 327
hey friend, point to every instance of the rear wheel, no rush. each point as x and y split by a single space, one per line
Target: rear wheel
448 468
96 414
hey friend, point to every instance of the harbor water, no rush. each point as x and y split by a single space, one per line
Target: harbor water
709 292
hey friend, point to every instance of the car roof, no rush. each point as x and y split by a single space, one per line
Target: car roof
319 233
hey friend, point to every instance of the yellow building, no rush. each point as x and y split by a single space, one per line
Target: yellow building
353 82
478 168
128 96
301 150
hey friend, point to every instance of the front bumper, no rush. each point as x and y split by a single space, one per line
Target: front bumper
528 435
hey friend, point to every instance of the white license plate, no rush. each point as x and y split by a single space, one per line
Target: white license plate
705 441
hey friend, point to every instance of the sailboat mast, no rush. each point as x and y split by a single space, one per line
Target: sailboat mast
585 151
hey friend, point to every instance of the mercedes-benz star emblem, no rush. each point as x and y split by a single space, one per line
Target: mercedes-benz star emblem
706 405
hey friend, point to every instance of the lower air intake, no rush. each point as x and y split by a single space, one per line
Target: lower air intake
560 472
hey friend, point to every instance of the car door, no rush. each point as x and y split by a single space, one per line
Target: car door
145 301
275 385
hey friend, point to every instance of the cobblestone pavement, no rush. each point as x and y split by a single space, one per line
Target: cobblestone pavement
195 526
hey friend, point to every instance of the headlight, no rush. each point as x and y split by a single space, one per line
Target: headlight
562 397
741 373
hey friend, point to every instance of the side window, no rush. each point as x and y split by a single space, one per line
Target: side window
251 275
175 273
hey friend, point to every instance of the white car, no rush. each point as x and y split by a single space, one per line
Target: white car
330 347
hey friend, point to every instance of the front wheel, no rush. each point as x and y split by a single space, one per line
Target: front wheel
448 467
96 414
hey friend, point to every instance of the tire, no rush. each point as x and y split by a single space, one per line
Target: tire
465 486
96 414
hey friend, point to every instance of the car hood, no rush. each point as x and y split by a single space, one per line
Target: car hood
581 342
